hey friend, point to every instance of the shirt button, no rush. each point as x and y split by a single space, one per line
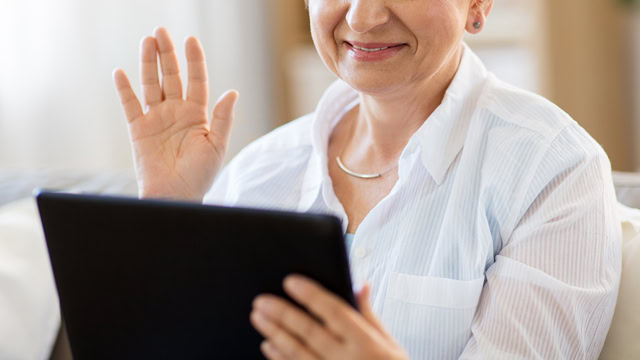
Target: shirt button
361 252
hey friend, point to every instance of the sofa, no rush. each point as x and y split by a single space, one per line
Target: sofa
30 299
30 326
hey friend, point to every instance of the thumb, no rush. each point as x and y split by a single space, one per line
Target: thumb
367 312
223 113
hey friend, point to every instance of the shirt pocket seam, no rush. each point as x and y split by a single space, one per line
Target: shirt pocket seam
434 291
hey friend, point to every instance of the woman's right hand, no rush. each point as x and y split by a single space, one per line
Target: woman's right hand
177 152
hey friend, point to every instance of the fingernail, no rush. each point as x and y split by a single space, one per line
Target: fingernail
260 302
257 301
258 318
293 283
267 347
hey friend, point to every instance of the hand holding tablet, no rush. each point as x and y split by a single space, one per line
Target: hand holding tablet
160 279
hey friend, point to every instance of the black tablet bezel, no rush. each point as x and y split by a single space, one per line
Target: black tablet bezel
97 243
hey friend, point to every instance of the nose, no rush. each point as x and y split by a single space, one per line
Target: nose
365 15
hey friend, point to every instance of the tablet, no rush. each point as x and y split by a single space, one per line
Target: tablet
153 279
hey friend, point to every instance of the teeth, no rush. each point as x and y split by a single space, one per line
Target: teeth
370 50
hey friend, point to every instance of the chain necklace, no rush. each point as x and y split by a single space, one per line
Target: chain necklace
343 167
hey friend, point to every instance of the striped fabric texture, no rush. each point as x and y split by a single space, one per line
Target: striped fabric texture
499 239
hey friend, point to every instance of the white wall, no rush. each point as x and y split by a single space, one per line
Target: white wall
509 43
58 108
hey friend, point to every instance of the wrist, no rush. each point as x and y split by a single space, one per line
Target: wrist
165 194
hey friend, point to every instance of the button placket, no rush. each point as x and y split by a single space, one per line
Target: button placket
360 259
360 252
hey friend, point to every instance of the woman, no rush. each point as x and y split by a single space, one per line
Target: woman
482 215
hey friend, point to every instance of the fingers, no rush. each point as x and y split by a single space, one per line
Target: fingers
151 91
367 312
130 103
198 86
337 315
271 352
171 82
284 342
162 45
223 113
297 322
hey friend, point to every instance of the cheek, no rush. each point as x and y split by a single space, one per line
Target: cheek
325 15
437 29
453 16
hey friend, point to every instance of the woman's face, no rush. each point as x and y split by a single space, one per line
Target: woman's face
378 46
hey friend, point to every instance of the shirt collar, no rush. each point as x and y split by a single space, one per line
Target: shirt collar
335 102
443 134
441 137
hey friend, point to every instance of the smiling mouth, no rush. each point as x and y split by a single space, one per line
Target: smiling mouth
373 49
370 50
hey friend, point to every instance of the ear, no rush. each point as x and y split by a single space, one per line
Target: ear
478 13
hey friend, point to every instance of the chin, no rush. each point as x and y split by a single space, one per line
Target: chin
373 85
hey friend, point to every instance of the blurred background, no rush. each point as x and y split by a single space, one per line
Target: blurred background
58 108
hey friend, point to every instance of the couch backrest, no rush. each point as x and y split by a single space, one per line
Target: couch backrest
627 186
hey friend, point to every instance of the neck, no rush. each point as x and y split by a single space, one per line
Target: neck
385 123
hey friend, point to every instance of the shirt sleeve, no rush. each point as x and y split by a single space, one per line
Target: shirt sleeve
551 292
220 191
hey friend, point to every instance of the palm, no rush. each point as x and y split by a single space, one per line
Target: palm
169 142
177 153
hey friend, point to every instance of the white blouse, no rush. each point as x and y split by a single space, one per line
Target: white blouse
499 239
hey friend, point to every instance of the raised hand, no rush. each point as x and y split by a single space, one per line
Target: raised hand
177 151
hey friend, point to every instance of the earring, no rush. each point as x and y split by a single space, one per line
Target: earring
476 25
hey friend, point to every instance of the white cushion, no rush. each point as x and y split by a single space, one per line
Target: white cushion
627 188
29 310
623 341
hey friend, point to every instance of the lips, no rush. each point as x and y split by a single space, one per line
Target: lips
373 46
370 52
